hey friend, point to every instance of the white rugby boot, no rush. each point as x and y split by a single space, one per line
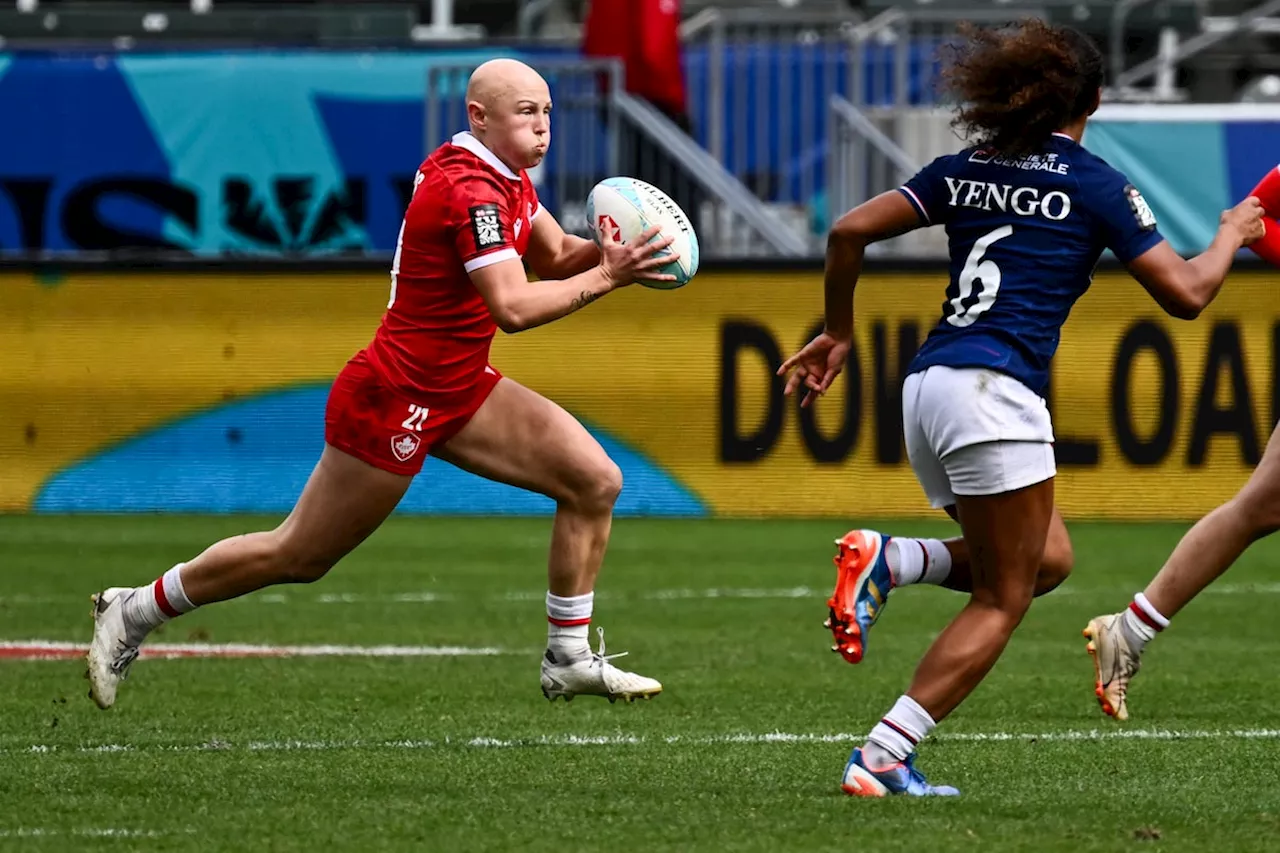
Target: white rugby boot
594 676
112 651
1115 662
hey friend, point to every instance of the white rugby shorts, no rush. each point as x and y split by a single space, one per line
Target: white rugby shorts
973 431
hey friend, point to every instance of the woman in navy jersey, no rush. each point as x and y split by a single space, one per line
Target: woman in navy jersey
1028 212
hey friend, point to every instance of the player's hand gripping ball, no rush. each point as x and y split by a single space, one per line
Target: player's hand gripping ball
627 207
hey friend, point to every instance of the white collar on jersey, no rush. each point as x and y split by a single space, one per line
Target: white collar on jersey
1063 136
476 147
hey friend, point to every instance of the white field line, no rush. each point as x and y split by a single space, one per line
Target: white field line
430 597
58 650
642 740
93 832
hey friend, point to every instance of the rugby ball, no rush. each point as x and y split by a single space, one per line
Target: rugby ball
627 207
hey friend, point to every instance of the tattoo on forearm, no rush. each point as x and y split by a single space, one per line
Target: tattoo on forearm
583 299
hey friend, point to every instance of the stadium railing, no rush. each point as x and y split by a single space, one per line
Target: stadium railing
797 116
1165 63
128 24
811 110
808 109
602 131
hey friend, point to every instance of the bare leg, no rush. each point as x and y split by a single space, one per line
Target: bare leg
1055 567
1116 641
1216 541
1007 535
523 439
343 502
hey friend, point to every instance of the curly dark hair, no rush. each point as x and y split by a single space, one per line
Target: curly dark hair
1016 85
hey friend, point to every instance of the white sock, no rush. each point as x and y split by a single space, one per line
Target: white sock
568 620
896 735
917 560
155 603
1141 622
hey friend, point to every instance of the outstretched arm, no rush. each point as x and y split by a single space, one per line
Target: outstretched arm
887 215
821 361
1185 288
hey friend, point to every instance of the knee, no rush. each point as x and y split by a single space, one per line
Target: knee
1010 602
1059 559
1259 509
596 487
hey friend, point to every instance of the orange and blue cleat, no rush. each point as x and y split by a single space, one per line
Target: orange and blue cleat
903 778
863 582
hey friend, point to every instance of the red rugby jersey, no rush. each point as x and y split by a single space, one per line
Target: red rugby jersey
468 210
1268 192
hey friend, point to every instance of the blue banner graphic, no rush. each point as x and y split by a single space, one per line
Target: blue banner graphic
301 153
1190 162
212 154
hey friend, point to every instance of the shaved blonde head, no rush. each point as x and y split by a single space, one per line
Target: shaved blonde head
500 79
509 111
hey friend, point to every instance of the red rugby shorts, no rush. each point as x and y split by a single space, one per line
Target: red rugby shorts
382 427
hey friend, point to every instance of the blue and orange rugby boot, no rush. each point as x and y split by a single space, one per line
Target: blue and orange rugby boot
863 583
902 778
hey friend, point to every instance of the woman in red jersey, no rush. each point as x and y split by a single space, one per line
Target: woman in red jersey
425 386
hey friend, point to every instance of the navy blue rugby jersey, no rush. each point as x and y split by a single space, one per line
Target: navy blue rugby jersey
1025 236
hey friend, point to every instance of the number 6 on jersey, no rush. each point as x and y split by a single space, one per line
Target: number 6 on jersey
982 275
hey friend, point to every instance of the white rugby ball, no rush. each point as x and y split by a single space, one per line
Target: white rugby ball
627 207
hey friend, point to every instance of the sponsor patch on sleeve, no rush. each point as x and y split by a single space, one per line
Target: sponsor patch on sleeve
1141 210
486 226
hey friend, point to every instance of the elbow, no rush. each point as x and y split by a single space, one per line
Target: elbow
850 230
1184 310
511 325
1184 303
509 320
1184 294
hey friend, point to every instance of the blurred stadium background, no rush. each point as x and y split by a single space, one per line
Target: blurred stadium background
198 201
198 204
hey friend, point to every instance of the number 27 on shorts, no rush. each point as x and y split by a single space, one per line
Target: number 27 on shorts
417 417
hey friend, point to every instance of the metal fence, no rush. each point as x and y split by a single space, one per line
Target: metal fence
817 112
599 131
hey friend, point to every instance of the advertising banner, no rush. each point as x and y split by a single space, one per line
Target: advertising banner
204 392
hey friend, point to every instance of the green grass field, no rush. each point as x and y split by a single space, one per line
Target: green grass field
743 751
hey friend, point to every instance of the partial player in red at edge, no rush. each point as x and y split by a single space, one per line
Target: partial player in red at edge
1268 192
1206 551
425 386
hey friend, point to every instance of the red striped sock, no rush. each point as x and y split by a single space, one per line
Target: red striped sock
1148 613
1142 621
156 603
568 619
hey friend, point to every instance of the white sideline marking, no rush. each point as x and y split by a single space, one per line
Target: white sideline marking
1243 589
522 595
58 650
427 597
104 832
641 740
430 597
